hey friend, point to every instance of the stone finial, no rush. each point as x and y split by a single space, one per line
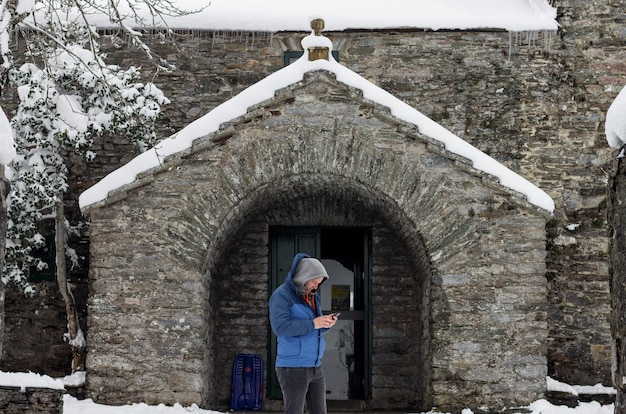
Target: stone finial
317 52
317 25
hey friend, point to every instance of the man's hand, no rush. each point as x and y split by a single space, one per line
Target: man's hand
324 321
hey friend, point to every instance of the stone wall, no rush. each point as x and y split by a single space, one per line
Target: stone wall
31 400
42 350
617 233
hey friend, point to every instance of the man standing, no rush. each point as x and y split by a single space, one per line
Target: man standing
298 323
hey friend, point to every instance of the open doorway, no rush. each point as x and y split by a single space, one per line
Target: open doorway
345 252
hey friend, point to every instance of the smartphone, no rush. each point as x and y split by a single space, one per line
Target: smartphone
336 315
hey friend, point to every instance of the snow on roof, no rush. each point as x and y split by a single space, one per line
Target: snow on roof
615 123
294 15
266 89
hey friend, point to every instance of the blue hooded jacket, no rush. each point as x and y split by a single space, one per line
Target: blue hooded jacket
300 345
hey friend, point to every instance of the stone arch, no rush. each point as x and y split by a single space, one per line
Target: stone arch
367 146
401 342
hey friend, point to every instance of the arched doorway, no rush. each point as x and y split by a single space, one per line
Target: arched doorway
375 259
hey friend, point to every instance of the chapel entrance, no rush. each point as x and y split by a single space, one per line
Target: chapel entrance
345 252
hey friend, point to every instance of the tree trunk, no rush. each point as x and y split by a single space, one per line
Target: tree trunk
4 192
617 278
74 336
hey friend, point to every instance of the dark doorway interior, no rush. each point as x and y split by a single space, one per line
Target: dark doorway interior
345 254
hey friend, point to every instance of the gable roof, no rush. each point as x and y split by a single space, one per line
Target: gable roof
266 89
294 15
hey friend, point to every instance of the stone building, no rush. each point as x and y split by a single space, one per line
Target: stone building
439 250
533 101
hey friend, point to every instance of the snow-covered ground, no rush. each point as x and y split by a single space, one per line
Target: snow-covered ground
72 405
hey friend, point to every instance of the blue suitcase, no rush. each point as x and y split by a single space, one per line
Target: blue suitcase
247 385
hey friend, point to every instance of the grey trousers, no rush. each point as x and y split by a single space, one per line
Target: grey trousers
300 385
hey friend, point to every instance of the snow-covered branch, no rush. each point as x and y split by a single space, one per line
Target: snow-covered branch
68 97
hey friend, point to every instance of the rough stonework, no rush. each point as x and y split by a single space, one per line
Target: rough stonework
31 400
617 220
468 325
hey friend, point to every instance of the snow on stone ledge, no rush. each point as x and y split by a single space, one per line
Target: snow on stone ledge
29 379
76 379
554 385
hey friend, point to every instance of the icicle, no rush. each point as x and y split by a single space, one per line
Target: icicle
510 44
529 39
